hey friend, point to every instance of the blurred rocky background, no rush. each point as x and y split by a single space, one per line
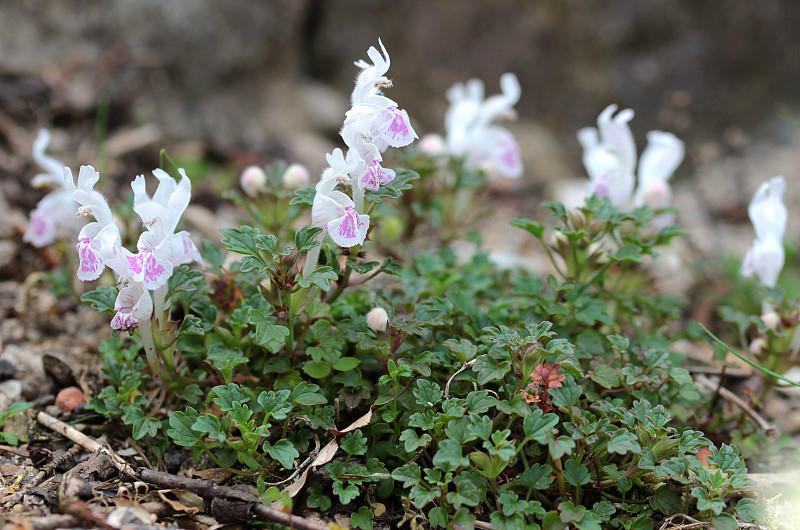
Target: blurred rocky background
251 81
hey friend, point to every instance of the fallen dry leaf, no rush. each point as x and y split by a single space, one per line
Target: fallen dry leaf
187 501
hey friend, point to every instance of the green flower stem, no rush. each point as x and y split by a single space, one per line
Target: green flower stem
146 338
745 359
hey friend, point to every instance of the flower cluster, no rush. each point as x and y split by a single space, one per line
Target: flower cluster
159 249
768 215
470 133
372 125
609 154
55 213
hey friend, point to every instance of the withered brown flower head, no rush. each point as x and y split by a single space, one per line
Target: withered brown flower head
547 375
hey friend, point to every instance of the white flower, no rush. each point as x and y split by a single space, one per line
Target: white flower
99 242
55 212
470 132
374 116
609 154
160 248
133 305
768 215
253 181
663 155
335 212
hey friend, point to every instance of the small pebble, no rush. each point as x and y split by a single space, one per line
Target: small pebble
70 398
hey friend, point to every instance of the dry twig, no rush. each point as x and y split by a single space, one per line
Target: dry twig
768 428
227 501
84 441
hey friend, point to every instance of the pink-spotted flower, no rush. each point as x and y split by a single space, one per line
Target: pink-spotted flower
335 212
369 174
470 130
98 241
55 212
160 248
133 305
768 215
373 115
609 154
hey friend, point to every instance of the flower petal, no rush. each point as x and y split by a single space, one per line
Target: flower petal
350 229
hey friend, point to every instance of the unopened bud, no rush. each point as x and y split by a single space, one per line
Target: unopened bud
771 319
431 145
253 181
377 320
295 177
757 346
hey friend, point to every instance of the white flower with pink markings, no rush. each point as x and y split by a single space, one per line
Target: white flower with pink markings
335 212
609 154
471 133
54 215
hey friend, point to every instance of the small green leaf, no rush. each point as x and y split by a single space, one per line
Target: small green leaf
539 426
362 518
304 197
724 521
449 456
142 425
266 332
427 393
532 227
629 252
569 513
408 474
624 441
277 405
666 501
605 376
102 299
750 511
538 476
412 441
182 432
346 363
322 278
354 443
283 451
317 369
306 238
576 473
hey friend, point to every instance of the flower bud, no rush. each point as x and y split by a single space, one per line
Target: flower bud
771 319
295 177
253 181
757 346
377 320
432 145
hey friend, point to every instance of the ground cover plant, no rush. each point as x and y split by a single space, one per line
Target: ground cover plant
336 352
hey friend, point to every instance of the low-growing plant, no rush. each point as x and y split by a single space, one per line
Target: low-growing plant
346 365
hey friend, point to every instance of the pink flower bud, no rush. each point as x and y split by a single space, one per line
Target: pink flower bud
377 320
771 319
295 177
253 181
757 346
432 145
